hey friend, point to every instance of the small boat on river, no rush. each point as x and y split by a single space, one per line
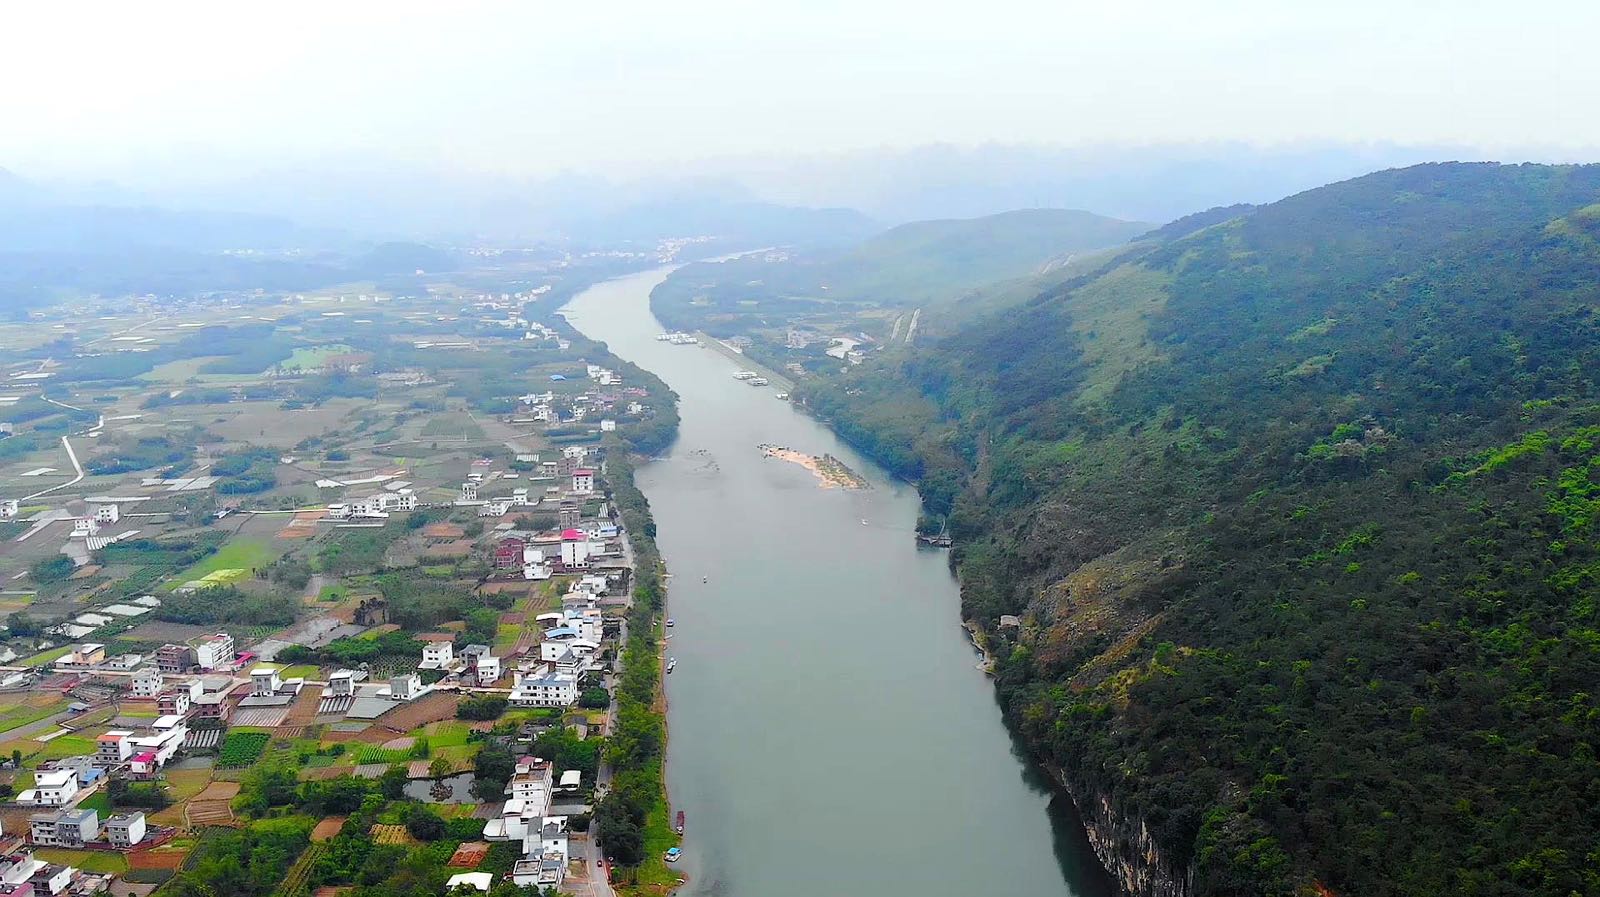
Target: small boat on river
672 664
678 826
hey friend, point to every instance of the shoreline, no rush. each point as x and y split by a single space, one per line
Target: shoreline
778 379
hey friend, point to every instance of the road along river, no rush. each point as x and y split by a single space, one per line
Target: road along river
831 733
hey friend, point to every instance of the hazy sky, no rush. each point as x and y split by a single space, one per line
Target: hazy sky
621 87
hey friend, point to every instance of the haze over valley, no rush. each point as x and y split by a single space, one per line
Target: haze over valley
903 449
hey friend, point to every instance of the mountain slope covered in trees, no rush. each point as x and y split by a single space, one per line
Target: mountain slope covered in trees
1297 507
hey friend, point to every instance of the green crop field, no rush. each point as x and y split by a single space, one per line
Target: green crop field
235 555
242 749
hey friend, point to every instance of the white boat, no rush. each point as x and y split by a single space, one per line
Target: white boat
780 395
672 664
743 375
671 622
758 381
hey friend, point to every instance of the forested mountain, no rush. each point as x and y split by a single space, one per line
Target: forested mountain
1297 506
921 262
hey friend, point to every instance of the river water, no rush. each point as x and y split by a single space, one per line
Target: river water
830 732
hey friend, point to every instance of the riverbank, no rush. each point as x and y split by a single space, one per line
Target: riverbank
633 820
782 382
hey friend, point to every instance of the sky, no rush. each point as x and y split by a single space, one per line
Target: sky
135 91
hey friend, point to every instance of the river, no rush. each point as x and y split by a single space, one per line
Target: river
830 732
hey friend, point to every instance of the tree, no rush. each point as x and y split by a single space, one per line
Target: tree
439 768
424 824
482 707
21 624
392 784
51 569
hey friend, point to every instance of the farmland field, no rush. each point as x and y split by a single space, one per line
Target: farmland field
313 356
87 860
242 749
237 557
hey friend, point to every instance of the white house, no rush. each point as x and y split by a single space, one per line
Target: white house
214 651
125 829
553 689
8 508
437 655
342 683
51 788
65 828
583 481
147 683
406 687
84 526
488 669
264 682
108 513
574 549
114 747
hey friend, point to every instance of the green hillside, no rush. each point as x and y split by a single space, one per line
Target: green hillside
1298 507
909 265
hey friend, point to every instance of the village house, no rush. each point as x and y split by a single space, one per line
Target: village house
543 689
174 659
264 682
51 788
64 828
582 481
214 652
482 666
508 553
146 683
405 688
174 702
125 829
437 652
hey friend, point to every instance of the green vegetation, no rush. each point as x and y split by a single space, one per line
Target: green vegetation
246 471
141 453
357 550
226 604
481 707
242 748
235 559
51 569
631 819
1307 565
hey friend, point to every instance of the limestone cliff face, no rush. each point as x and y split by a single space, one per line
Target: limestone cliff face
1084 627
1127 850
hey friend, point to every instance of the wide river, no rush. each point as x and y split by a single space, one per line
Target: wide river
830 732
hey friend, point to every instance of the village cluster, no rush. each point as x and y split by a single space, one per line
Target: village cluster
111 690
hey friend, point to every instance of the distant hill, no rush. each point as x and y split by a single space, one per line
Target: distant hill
921 262
1292 514
931 260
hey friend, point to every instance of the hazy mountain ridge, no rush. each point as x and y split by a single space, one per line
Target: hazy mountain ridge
921 262
1298 510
